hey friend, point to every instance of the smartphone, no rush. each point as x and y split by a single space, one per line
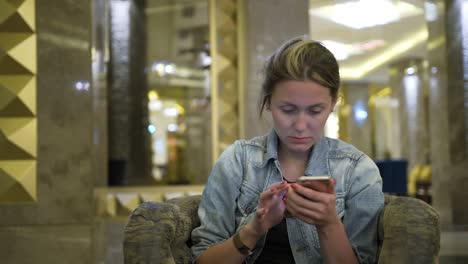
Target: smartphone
306 179
317 183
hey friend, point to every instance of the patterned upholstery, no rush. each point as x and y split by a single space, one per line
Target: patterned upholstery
160 232
409 231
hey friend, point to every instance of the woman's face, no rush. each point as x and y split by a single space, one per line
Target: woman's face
300 110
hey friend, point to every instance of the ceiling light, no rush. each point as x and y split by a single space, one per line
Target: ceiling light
391 52
431 11
340 50
155 105
343 51
170 112
410 70
366 13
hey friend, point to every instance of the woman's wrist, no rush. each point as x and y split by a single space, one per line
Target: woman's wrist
325 231
250 235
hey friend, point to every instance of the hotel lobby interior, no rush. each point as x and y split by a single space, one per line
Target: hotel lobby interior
108 104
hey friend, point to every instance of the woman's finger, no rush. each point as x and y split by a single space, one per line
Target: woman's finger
308 193
274 189
331 186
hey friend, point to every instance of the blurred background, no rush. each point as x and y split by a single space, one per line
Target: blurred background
106 104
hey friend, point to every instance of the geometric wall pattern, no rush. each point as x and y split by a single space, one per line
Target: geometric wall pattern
225 81
18 120
118 203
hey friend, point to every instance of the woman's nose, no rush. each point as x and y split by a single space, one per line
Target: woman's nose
300 123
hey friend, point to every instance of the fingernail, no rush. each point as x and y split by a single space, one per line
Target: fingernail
283 182
294 186
333 181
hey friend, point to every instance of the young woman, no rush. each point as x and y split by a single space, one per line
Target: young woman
254 211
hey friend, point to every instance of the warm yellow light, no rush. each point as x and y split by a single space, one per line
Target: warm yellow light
180 109
387 91
366 13
390 53
153 95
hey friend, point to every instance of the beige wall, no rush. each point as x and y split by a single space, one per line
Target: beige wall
269 24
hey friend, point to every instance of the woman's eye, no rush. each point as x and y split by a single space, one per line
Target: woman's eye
315 112
288 110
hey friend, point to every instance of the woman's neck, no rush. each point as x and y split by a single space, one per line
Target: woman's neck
292 164
292 157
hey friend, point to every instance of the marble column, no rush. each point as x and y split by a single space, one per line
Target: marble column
448 107
58 226
99 67
408 80
269 24
129 141
358 123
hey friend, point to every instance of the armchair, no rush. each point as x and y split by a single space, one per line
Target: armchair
160 232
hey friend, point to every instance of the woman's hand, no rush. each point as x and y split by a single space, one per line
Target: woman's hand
270 209
313 203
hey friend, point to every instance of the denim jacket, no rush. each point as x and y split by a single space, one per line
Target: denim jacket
248 167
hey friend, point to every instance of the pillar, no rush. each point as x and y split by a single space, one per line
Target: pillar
129 141
408 80
56 225
265 33
448 107
358 125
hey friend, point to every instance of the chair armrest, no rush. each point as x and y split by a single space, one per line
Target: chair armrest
409 231
160 232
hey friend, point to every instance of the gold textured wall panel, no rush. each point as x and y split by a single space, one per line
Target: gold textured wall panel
226 74
18 123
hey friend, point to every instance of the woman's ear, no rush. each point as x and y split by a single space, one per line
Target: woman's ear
333 105
268 104
338 99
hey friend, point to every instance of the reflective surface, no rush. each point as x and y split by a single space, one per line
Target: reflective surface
178 64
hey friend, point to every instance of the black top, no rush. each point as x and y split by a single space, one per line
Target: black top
277 248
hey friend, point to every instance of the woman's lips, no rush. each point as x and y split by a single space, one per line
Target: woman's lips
300 139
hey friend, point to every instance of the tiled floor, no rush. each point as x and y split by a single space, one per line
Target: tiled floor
453 260
454 245
115 236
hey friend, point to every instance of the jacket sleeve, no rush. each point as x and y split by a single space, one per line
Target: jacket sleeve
364 202
218 205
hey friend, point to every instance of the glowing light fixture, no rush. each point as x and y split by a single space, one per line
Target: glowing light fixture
431 11
170 111
343 51
360 112
151 128
169 69
163 68
153 95
172 127
340 51
366 13
410 70
82 86
393 51
155 105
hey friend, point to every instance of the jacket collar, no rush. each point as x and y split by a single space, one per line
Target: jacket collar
318 160
271 146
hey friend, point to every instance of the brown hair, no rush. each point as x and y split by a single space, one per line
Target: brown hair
300 59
